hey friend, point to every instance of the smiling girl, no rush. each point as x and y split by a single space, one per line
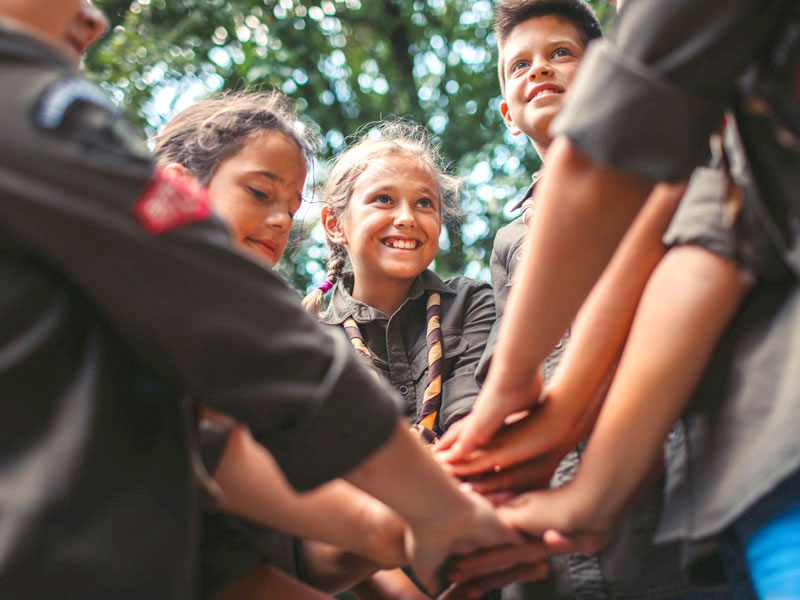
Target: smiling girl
246 151
383 208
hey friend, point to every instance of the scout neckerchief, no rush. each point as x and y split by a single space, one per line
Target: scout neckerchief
432 397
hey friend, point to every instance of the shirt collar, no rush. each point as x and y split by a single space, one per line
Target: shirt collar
18 43
535 179
343 305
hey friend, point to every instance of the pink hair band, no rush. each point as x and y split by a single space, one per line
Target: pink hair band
325 286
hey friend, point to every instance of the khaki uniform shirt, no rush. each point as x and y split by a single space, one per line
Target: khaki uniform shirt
119 297
398 342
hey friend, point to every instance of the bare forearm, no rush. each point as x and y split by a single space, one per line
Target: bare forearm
403 475
332 569
685 308
574 234
253 486
388 585
604 320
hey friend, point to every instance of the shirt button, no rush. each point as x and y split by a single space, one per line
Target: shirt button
403 390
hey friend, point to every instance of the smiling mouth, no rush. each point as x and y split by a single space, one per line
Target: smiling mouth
544 93
401 244
76 44
264 246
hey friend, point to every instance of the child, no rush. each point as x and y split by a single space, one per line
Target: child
736 487
99 492
541 44
384 203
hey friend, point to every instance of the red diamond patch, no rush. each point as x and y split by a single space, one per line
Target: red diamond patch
171 201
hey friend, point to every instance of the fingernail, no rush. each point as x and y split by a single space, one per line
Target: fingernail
465 486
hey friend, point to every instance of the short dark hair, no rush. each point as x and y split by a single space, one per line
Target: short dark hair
510 13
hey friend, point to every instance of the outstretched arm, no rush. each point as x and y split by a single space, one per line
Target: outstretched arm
692 290
574 233
573 398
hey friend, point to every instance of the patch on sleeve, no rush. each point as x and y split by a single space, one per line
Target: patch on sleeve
169 202
56 102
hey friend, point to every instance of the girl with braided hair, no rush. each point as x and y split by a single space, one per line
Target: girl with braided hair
383 207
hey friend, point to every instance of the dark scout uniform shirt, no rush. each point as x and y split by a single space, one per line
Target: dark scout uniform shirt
119 297
398 342
646 101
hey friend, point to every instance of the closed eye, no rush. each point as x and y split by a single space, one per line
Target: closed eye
257 193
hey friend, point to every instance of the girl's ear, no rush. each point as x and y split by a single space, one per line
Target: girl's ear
332 227
174 168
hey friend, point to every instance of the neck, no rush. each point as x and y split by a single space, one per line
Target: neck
386 297
541 148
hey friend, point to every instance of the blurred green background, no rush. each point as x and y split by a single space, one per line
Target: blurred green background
344 63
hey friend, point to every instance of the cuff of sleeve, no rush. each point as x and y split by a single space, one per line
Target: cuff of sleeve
357 417
700 218
625 115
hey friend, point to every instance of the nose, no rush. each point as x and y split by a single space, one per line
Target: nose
92 21
279 219
539 69
404 215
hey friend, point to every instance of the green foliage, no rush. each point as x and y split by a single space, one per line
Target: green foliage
345 63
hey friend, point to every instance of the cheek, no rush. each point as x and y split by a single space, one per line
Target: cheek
239 219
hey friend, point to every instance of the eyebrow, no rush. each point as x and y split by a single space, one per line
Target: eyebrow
424 191
268 175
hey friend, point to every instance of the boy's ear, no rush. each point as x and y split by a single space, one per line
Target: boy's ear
508 119
331 225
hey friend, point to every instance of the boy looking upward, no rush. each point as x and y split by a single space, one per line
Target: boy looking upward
541 44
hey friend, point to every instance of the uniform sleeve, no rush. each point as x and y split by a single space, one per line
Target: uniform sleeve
700 218
646 101
499 267
209 321
460 390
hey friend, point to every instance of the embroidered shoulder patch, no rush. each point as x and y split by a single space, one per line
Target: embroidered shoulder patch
59 98
169 202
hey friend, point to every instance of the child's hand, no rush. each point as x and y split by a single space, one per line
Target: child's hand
547 428
383 535
466 529
567 520
521 477
478 573
494 405
477 586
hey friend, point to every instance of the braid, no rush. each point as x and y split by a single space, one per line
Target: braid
337 260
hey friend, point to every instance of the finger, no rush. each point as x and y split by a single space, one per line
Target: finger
579 543
486 418
527 476
450 437
516 443
532 512
496 559
477 587
498 498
